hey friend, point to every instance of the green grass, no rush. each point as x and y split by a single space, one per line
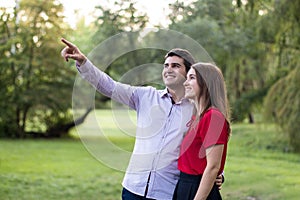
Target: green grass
54 169
258 165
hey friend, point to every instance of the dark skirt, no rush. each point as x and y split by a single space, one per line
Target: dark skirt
187 187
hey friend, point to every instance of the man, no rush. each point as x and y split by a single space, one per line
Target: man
162 120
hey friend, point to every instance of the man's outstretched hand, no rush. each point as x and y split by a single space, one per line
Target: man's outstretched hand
72 51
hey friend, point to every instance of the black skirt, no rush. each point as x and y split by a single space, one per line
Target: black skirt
187 187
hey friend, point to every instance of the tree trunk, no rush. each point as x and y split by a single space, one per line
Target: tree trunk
60 130
251 118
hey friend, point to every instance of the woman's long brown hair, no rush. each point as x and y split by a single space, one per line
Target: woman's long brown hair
213 91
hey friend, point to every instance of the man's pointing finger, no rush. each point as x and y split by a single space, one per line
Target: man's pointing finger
69 44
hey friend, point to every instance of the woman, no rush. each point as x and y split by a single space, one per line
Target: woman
203 150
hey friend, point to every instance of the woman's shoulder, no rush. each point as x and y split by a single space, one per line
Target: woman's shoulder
213 115
212 111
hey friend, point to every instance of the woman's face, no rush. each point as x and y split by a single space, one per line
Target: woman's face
192 89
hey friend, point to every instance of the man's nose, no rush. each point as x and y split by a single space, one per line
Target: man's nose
168 68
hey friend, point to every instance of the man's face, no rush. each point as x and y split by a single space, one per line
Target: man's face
174 73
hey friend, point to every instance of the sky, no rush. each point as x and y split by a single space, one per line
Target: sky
156 9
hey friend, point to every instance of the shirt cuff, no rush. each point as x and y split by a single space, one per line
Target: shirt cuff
82 67
78 64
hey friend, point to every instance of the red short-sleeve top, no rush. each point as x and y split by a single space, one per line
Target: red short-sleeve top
212 129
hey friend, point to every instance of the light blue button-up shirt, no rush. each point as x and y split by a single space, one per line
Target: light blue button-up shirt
161 125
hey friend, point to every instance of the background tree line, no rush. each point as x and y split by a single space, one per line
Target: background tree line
255 43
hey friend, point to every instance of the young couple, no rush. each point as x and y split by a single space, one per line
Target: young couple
182 131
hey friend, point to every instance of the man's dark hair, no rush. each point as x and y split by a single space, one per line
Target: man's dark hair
185 55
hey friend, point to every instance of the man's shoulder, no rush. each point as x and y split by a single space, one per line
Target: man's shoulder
151 89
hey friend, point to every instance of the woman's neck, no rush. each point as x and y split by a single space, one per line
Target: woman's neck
200 106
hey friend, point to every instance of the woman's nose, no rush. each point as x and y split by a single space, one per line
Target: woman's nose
185 82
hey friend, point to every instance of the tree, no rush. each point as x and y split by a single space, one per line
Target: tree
282 102
36 86
283 105
228 33
121 17
256 43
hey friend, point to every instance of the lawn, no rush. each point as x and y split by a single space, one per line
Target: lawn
259 164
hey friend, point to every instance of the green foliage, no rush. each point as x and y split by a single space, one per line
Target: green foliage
229 35
282 102
36 85
246 102
253 42
123 16
283 106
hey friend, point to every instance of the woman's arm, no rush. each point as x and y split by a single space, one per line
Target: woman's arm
214 157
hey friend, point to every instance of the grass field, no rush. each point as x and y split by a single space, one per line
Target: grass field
259 165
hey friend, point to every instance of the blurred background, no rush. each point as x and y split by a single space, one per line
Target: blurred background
256 43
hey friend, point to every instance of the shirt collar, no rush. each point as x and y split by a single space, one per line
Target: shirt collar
165 93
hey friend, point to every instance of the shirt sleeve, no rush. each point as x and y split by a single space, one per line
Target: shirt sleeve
104 84
214 129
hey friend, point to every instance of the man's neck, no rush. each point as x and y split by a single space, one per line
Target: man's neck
177 95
